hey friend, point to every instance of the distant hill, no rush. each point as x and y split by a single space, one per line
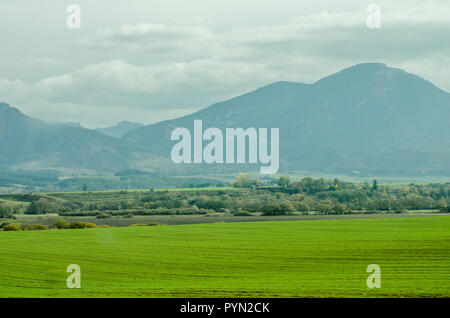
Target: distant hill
368 118
120 129
32 144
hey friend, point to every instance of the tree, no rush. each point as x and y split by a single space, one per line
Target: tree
284 181
5 211
42 206
340 208
281 208
375 185
302 207
324 208
243 181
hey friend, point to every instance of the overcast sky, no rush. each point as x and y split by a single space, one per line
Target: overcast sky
148 61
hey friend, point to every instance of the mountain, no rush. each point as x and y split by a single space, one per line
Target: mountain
120 129
368 118
30 143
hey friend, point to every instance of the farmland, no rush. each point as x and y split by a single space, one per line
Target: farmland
310 258
246 197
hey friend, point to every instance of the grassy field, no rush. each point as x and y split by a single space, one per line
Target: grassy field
314 258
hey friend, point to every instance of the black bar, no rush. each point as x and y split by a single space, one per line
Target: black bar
263 307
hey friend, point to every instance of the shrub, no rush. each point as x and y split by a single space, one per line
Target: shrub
13 227
38 227
62 224
83 225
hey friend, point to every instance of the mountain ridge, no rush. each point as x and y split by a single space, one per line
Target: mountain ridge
369 118
372 97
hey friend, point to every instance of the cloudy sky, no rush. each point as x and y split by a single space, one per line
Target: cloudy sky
148 61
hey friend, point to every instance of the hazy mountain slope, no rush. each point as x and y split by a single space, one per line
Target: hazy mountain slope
31 143
352 119
120 129
368 118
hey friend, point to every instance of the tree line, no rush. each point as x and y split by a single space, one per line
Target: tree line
283 197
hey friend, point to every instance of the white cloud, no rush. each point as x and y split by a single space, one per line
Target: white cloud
153 71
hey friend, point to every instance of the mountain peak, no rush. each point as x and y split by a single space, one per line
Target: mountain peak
356 72
366 67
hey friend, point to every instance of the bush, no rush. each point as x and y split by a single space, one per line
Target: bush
62 224
83 225
13 227
38 227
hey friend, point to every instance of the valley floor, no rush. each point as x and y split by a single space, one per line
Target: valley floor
313 258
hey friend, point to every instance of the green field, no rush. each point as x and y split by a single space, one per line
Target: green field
315 258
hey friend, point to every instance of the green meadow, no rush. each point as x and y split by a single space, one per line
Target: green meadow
314 258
